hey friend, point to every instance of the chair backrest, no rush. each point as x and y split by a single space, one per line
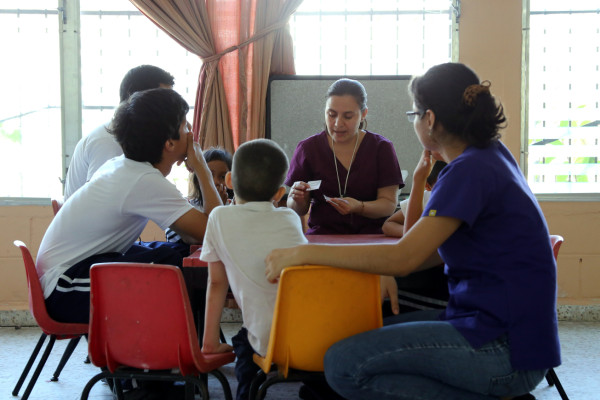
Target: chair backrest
556 241
56 205
316 307
37 304
141 317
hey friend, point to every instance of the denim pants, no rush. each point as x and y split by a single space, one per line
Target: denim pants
418 357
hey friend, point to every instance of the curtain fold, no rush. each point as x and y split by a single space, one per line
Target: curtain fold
241 42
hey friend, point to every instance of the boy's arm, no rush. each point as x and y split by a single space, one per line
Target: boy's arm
394 225
216 293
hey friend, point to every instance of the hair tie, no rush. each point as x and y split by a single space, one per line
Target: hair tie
471 92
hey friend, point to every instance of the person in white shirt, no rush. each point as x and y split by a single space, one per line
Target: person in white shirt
99 145
238 238
102 220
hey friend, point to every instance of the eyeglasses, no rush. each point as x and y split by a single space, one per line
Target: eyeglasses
412 115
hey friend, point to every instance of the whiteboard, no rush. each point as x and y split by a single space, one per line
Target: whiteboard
296 110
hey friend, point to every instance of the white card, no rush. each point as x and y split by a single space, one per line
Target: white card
327 198
314 185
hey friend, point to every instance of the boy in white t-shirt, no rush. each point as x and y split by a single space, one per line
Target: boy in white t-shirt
101 221
237 241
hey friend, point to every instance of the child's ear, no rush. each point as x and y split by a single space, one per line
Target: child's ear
279 194
228 180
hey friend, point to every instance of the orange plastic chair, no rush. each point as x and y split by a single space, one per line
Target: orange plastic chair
551 377
141 327
316 307
50 327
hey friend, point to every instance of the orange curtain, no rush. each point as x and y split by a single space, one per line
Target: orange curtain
239 41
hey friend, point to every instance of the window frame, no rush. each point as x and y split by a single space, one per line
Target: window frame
524 151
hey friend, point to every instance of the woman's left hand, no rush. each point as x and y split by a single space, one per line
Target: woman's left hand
345 205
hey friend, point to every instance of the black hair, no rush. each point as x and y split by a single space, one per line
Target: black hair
259 169
438 166
212 154
142 78
144 122
442 90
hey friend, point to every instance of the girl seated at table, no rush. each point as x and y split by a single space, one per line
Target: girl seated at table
219 163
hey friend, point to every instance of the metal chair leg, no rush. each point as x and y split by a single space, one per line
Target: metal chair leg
39 368
32 358
65 357
556 381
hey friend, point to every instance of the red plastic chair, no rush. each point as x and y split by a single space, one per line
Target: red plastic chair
50 327
141 327
551 377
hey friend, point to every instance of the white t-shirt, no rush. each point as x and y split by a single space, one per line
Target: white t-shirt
404 203
107 215
241 236
90 153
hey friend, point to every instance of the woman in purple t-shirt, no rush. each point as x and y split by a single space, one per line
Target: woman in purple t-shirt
498 335
356 171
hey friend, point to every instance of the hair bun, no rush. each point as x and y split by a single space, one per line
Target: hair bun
471 92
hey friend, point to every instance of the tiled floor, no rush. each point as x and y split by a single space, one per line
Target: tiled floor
579 374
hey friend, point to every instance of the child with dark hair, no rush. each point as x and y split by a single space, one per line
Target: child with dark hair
99 146
238 238
219 162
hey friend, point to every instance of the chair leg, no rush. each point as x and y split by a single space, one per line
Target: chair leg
87 358
39 368
200 382
65 357
88 387
556 381
224 383
549 378
32 358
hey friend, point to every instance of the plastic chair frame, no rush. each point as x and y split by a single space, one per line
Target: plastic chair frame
551 377
50 328
316 287
193 366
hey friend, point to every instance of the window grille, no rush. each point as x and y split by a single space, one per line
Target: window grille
563 116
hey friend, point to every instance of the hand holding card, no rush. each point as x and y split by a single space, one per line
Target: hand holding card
314 185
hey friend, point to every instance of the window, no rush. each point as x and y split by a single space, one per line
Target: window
116 37
374 37
30 105
354 37
563 126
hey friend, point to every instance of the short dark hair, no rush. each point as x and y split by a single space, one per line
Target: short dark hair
259 169
144 122
441 90
142 78
346 86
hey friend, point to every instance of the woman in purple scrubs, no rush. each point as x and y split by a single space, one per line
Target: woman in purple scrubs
358 170
498 335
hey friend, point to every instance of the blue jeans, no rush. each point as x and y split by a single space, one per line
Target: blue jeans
421 358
